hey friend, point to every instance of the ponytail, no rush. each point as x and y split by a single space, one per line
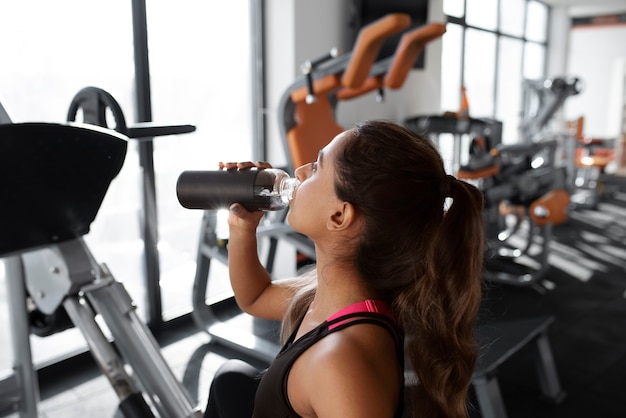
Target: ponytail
441 308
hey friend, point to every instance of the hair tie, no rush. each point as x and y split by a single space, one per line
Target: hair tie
446 185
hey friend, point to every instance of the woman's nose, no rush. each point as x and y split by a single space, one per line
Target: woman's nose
301 171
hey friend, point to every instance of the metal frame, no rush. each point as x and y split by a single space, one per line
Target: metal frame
498 33
67 274
19 392
210 248
149 224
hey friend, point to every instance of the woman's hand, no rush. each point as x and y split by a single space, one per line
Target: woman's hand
240 219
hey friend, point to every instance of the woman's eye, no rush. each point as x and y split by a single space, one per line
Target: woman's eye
314 166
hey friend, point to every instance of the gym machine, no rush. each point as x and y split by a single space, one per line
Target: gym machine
54 178
307 123
541 100
584 158
521 183
526 186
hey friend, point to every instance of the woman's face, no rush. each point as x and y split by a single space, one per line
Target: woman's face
314 200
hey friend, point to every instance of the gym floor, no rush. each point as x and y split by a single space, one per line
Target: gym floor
86 392
584 291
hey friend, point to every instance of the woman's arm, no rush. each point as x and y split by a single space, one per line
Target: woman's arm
254 290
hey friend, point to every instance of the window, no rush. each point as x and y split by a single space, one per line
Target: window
201 73
479 70
482 14
509 85
451 67
454 8
537 22
496 44
513 17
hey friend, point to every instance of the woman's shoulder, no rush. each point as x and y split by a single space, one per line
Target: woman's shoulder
357 366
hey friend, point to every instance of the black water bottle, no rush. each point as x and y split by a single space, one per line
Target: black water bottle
255 189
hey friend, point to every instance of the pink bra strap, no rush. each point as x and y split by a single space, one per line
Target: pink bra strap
369 305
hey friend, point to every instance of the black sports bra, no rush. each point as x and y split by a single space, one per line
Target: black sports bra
271 399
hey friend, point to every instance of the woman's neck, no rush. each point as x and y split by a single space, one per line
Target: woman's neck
338 285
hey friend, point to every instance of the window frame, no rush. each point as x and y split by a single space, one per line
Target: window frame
498 33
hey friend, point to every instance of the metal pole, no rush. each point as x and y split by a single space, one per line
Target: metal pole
20 331
139 348
259 118
146 147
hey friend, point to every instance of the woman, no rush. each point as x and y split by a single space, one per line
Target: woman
392 264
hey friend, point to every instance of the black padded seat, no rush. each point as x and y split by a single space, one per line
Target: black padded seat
53 179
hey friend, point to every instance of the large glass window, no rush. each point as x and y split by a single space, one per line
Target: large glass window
482 13
534 60
509 87
537 22
454 8
512 17
479 74
451 67
500 43
201 73
200 63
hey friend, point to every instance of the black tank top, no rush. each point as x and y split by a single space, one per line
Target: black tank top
271 399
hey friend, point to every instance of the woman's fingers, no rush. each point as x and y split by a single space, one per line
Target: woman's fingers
245 165
228 166
263 164
239 217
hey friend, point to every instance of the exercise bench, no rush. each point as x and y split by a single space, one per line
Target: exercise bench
500 341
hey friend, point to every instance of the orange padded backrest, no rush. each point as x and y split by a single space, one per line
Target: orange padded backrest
409 49
316 127
316 124
368 45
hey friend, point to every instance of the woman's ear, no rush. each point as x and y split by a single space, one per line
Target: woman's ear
343 218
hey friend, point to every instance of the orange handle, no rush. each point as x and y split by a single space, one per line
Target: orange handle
368 45
409 49
370 84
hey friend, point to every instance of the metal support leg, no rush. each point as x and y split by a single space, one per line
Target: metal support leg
489 397
139 348
546 370
211 248
24 370
105 356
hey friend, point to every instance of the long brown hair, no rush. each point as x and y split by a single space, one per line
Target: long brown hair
423 260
